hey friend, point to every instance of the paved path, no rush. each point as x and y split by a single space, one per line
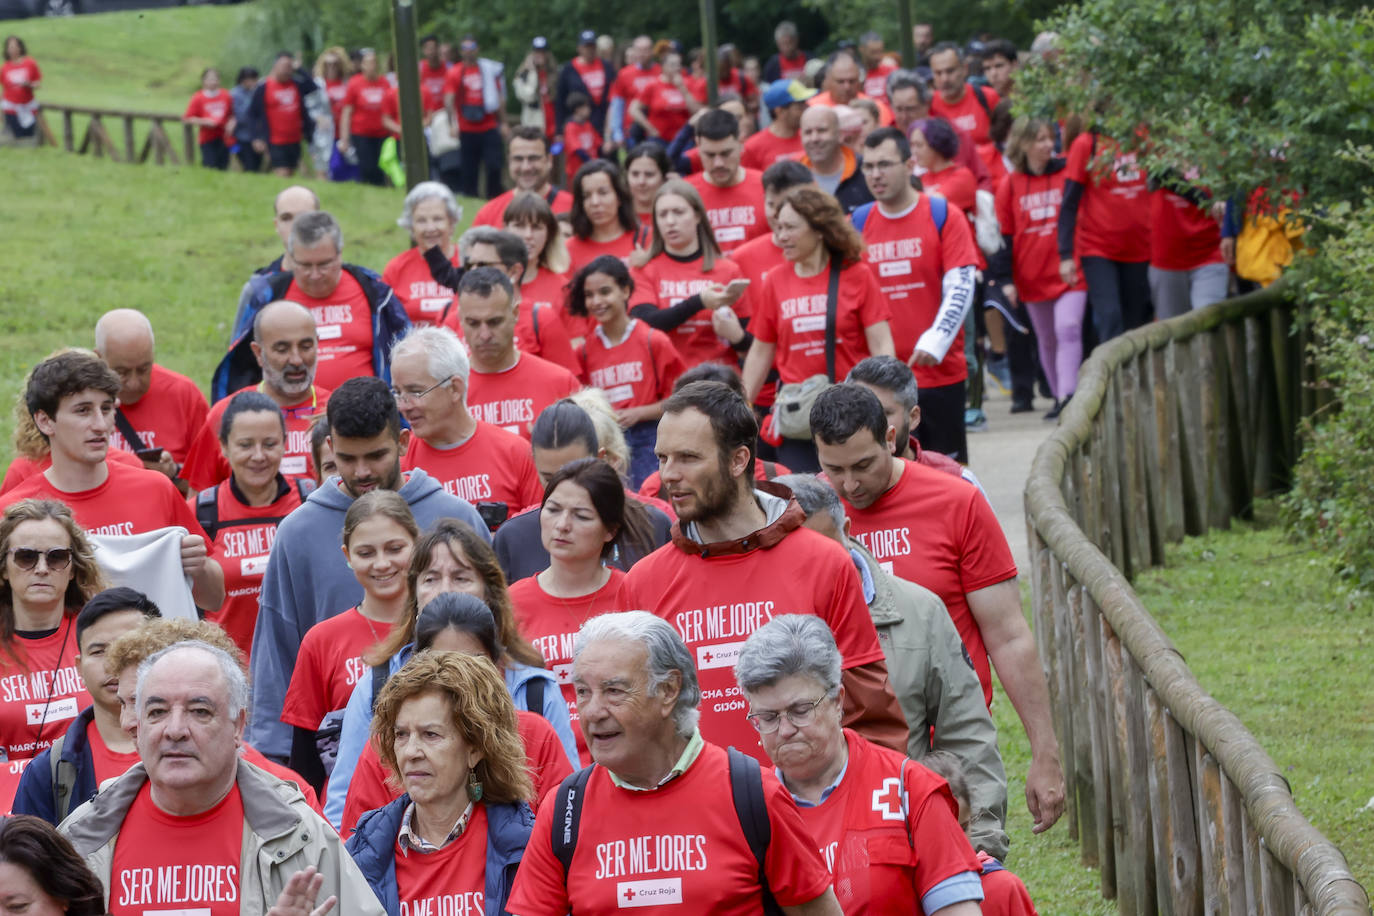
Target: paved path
1001 457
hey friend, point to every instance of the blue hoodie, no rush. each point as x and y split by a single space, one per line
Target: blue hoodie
373 848
308 580
34 795
357 723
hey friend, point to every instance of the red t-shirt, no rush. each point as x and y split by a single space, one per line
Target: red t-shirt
450 880
639 370
630 82
424 298
551 624
584 251
370 100
40 695
343 321
540 328
1003 892
756 257
205 463
336 90
665 107
328 664
1028 211
875 81
790 313
1114 214
896 250
1183 236
11 772
737 213
16 75
593 75
665 281
168 416
492 213
792 67
130 501
549 289
286 774
217 107
715 603
432 85
968 114
579 137
681 844
885 851
241 546
21 468
765 148
178 864
513 398
465 82
942 534
954 183
545 760
283 103
108 764
491 466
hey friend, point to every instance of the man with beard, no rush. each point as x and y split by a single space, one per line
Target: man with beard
308 579
284 344
740 555
531 168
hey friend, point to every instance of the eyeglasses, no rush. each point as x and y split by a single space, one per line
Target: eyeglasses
56 557
413 396
799 714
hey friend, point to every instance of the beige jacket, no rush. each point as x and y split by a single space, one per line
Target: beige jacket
281 836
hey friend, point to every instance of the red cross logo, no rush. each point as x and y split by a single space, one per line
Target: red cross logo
629 894
708 656
887 799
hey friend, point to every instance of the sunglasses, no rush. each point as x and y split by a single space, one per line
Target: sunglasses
56 558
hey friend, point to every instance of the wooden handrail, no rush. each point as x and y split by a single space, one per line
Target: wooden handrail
1174 428
157 146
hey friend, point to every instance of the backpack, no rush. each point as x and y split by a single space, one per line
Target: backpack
746 788
63 776
939 210
207 509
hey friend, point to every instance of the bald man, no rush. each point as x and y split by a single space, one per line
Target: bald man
288 205
283 344
159 410
844 83
836 169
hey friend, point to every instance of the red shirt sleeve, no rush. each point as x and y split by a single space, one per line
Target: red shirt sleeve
942 849
540 887
985 555
796 873
351 92
764 324
670 364
193 107
873 308
302 707
547 760
957 248
847 612
1006 219
1080 151
367 791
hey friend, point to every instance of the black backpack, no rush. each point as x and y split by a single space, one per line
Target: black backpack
746 787
207 508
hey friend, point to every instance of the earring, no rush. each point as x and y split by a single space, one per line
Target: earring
474 786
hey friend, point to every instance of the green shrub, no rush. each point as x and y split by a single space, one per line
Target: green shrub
1332 500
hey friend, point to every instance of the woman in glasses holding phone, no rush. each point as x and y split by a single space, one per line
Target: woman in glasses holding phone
49 573
887 826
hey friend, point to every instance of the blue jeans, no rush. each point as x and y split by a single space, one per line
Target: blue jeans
641 438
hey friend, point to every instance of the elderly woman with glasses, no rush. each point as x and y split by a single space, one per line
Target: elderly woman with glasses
49 573
887 827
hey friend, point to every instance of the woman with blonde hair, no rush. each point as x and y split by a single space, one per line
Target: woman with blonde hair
823 252
445 727
49 574
332 70
683 279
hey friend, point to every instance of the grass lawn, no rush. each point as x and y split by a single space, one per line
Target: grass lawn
177 243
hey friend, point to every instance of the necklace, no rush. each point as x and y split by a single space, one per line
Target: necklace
52 679
359 608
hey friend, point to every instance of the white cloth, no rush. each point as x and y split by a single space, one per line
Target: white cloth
151 563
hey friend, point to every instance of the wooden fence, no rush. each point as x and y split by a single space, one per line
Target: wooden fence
1175 428
96 139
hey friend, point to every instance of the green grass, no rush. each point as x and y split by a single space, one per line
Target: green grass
177 243
1278 640
142 60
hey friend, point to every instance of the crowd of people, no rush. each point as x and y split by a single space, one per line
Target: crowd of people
642 489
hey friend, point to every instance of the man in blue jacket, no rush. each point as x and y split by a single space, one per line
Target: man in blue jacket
65 775
357 315
307 578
